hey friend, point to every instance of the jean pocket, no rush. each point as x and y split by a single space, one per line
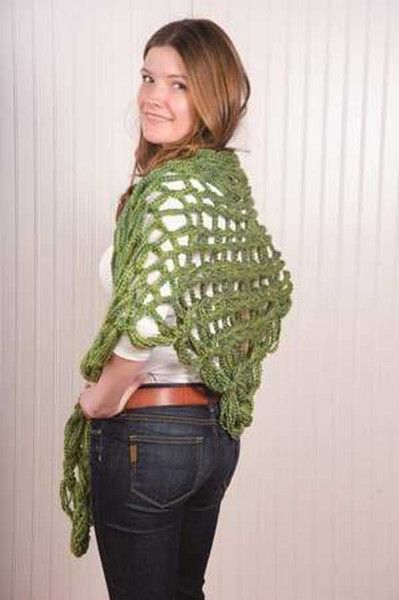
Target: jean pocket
164 469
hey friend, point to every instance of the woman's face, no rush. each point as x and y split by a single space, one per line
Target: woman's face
164 93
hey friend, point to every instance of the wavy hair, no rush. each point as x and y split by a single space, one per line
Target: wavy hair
218 85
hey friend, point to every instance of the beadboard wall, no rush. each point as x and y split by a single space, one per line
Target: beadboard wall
312 512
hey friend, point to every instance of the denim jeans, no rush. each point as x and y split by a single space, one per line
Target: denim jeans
158 477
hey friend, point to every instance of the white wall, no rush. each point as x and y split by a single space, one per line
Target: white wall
312 513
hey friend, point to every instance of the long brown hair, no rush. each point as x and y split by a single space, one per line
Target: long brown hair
219 89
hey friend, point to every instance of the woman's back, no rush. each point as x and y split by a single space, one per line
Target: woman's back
190 238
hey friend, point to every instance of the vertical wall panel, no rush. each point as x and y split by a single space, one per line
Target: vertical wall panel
7 299
42 191
25 303
312 512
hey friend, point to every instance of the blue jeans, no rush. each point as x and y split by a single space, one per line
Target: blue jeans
158 476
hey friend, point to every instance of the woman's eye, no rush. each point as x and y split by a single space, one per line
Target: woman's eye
182 86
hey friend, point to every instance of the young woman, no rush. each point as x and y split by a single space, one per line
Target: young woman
197 293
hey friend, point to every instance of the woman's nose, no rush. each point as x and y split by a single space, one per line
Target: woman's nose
157 93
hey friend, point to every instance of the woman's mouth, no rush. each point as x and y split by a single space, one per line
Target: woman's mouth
155 119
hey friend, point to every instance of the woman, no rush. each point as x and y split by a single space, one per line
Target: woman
197 294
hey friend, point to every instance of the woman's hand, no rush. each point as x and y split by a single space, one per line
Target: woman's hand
107 397
83 399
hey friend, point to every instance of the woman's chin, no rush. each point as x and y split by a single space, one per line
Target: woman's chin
154 139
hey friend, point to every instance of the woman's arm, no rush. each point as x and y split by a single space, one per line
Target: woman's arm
120 377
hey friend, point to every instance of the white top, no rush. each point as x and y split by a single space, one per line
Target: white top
161 362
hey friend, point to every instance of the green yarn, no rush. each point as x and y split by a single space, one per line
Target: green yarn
75 485
228 299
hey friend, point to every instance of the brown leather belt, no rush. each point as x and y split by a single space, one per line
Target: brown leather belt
165 395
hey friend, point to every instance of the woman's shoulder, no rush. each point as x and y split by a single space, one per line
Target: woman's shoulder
207 179
205 162
207 170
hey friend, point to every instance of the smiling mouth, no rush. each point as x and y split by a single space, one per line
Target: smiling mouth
156 119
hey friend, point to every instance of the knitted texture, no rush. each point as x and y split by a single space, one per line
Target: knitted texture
75 486
219 271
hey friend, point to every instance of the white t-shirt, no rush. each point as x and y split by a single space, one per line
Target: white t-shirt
162 364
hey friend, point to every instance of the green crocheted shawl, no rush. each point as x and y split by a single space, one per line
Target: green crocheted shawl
221 274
